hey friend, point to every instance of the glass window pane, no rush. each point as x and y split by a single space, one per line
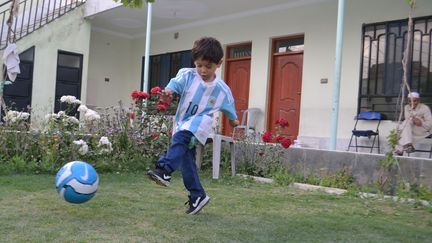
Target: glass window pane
240 51
69 60
27 55
290 45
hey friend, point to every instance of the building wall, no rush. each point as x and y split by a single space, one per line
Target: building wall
110 57
62 34
97 6
318 24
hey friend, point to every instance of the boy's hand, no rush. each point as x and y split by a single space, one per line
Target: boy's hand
234 123
166 95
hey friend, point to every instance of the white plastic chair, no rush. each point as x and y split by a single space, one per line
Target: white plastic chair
249 121
217 140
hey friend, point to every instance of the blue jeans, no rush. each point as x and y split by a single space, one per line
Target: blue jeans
179 154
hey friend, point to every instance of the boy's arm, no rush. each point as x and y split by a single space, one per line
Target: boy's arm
229 110
180 81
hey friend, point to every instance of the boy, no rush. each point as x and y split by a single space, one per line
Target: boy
201 95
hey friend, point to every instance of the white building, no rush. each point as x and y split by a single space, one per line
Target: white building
280 57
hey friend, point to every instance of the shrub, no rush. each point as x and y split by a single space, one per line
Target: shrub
111 138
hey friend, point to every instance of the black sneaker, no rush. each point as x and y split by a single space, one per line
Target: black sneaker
159 176
196 204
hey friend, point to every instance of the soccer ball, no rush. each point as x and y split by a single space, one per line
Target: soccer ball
77 182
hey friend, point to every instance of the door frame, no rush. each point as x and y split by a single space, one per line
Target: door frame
227 60
273 53
30 90
81 61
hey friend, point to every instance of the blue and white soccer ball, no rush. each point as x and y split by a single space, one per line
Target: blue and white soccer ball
77 182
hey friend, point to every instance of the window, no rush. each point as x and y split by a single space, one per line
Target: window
240 51
289 45
381 65
18 96
163 67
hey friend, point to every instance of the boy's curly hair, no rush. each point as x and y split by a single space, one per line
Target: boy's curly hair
207 48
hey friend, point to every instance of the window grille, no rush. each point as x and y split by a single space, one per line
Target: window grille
381 70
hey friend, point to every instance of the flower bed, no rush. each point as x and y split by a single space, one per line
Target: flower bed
111 139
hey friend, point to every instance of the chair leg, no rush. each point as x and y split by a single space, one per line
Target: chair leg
378 145
217 140
233 163
356 144
349 145
373 144
430 153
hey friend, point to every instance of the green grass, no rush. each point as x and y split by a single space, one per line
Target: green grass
130 208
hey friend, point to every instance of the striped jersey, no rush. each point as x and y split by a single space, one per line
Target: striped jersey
199 100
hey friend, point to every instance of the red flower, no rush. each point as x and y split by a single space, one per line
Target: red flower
155 135
279 138
161 107
135 94
286 143
282 122
131 115
143 95
155 90
167 104
261 153
267 137
139 95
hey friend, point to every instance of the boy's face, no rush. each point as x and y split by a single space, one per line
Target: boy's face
206 69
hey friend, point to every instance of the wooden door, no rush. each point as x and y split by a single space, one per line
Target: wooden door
285 91
237 77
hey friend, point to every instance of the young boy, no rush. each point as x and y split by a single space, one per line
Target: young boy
201 95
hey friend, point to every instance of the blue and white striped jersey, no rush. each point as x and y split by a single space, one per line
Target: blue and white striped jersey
199 100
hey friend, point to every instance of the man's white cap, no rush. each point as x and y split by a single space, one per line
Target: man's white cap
413 95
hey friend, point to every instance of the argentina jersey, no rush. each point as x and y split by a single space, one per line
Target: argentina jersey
199 100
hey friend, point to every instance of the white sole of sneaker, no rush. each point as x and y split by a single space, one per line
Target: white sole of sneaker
201 205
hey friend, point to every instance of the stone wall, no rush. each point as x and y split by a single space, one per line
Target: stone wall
364 166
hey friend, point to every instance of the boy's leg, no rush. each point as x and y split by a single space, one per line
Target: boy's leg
168 163
197 198
190 175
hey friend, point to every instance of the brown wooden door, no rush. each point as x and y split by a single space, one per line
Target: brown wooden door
237 77
285 92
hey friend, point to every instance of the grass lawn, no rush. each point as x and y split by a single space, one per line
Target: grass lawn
130 208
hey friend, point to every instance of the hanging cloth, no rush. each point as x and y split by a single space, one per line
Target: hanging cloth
11 60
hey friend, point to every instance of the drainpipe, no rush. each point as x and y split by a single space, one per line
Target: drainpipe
147 47
337 74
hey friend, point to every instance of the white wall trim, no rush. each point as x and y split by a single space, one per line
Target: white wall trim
236 16
110 32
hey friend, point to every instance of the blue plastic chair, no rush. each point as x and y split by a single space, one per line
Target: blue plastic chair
370 134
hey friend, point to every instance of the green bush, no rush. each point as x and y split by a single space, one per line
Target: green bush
110 139
341 179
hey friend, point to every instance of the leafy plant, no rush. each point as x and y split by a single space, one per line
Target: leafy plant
262 153
341 179
282 177
134 3
108 138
